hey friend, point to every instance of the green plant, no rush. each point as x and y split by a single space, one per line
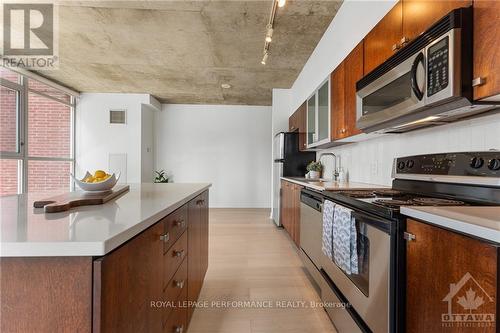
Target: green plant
161 177
315 166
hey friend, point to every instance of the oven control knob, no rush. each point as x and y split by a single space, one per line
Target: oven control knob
410 164
476 162
494 164
401 165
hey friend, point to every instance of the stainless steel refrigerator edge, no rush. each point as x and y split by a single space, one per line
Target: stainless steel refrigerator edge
289 161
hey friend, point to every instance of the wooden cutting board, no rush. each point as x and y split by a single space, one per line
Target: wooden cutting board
66 201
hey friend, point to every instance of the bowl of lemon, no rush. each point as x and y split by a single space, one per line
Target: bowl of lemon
99 181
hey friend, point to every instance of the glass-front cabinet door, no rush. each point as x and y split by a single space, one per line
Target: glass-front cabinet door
311 120
318 116
324 112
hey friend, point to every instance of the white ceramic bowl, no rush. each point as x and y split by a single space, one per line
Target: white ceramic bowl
105 185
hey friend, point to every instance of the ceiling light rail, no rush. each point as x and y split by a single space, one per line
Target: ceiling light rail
270 29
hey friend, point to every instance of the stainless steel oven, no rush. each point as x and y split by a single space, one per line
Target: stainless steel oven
427 82
368 291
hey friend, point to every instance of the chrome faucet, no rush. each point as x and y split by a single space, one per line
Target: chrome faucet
335 169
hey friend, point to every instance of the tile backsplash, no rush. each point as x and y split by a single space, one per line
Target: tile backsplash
371 161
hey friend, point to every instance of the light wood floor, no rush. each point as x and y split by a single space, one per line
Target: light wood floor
252 260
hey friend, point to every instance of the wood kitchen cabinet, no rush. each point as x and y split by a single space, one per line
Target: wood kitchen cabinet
343 94
382 41
486 48
297 123
290 209
197 247
126 281
447 274
419 15
403 23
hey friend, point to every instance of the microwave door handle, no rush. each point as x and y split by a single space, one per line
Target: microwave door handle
414 84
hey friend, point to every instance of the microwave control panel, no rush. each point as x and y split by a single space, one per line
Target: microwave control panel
438 66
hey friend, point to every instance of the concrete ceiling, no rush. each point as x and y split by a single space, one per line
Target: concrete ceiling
182 51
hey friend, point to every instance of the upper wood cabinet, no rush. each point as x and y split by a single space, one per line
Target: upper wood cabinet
486 48
445 272
297 122
353 66
419 15
403 23
383 40
343 94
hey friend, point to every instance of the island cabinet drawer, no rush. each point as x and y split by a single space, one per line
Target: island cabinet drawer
174 224
175 287
174 257
178 319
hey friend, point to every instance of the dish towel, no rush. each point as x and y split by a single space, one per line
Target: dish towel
327 244
345 240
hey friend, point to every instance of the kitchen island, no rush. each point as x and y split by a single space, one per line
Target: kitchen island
135 264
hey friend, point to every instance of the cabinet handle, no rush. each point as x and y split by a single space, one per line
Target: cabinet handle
342 131
179 329
180 223
179 253
478 81
179 284
395 47
404 41
200 202
292 129
409 237
165 237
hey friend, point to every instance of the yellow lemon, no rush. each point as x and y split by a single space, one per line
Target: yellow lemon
99 174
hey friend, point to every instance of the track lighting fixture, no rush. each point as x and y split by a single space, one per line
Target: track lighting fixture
264 58
281 3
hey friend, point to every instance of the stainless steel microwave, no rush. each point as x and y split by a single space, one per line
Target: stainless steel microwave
429 82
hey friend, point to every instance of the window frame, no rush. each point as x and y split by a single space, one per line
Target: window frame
22 155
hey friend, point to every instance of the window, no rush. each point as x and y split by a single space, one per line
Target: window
36 135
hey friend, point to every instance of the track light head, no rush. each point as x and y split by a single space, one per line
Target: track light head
281 3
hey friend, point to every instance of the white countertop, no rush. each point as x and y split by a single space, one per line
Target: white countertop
327 185
482 222
88 230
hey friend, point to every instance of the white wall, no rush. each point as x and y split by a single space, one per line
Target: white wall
371 160
96 138
147 144
228 146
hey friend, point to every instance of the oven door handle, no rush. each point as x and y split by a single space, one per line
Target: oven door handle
376 222
414 84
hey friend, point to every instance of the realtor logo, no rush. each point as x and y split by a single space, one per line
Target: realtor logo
29 35
467 301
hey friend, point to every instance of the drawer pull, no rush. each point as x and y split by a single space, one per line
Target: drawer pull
179 329
165 238
180 223
179 284
409 236
179 253
200 202
478 81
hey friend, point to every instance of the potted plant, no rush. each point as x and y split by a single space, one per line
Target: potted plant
161 177
314 169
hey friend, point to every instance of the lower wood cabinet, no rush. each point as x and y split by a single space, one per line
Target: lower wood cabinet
197 247
452 282
166 262
126 281
144 285
290 209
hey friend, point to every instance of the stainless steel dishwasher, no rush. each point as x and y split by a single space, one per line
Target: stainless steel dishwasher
311 229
